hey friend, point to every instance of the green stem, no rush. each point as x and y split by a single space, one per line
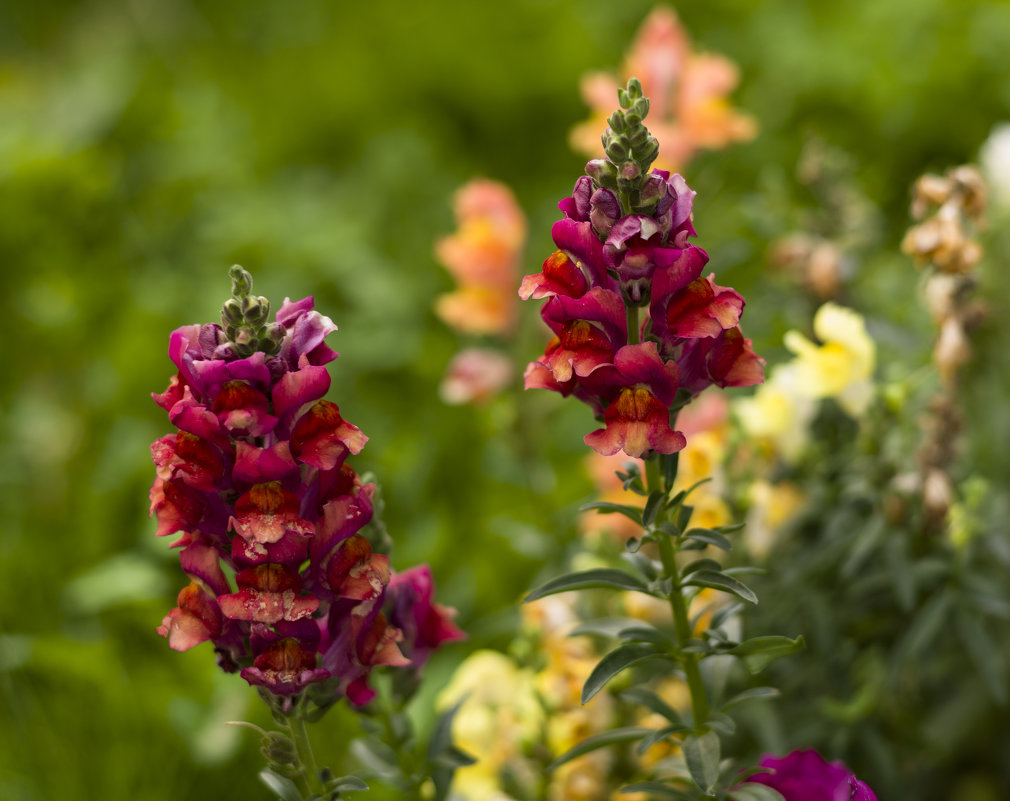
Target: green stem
631 316
300 737
682 626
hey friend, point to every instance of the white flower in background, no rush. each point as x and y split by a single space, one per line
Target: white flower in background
994 159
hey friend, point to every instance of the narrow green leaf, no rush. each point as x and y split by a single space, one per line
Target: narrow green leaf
668 462
285 789
643 632
725 613
657 736
606 508
605 626
701 564
926 625
454 757
668 528
708 536
646 566
652 507
651 701
441 735
702 756
753 694
984 654
723 724
602 577
347 784
759 652
626 734
720 581
613 663
756 792
731 528
657 788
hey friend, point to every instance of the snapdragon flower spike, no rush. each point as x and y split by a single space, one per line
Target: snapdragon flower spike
256 485
622 248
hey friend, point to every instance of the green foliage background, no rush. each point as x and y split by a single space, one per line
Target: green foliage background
145 146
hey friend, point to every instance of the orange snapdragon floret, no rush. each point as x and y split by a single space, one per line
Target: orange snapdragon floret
483 256
688 92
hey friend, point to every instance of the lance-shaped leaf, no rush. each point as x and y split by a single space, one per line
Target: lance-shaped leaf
645 632
657 736
652 507
658 789
651 701
613 663
702 755
285 789
720 581
753 694
756 792
626 734
759 652
606 508
709 536
597 578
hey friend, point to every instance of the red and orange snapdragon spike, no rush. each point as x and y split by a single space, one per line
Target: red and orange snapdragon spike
256 484
623 248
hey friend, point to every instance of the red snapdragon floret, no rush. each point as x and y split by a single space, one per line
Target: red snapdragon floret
268 593
641 388
323 439
285 665
243 410
702 308
588 331
411 608
560 276
267 512
196 619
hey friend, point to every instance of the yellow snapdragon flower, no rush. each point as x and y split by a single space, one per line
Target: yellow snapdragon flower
841 367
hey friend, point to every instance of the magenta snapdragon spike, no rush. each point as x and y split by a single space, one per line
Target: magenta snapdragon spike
638 330
255 482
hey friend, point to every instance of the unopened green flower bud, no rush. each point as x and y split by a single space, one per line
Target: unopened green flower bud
241 281
616 151
231 312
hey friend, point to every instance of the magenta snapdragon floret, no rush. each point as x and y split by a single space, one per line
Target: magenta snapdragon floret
256 483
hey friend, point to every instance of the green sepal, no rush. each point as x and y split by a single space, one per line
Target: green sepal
626 734
721 581
759 652
613 663
597 578
702 754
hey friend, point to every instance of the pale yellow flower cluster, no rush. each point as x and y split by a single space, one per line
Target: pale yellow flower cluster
840 367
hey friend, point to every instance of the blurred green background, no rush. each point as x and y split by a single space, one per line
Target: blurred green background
146 146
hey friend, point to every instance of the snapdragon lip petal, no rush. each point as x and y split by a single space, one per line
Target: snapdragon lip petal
268 593
299 388
576 207
196 619
560 276
243 410
411 608
633 365
703 309
285 668
212 374
353 571
580 242
342 517
173 394
178 506
267 512
201 562
255 465
322 438
189 458
636 422
291 549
